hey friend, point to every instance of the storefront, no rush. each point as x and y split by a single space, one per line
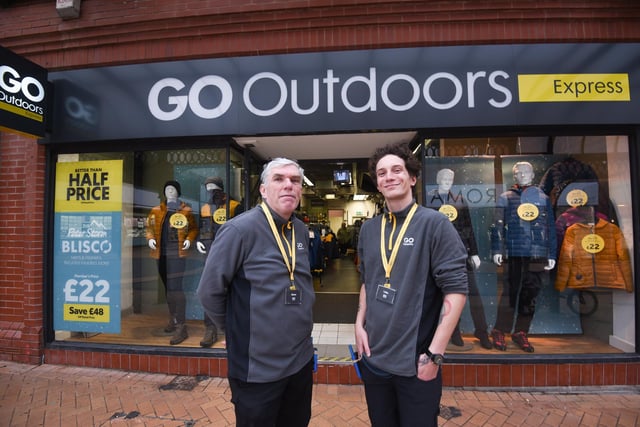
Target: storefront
121 134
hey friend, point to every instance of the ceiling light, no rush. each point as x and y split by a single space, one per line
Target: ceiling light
330 196
360 196
308 181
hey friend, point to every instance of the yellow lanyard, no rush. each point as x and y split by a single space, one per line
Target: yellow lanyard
292 254
387 264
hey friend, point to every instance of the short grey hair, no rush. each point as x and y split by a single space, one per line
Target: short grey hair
276 163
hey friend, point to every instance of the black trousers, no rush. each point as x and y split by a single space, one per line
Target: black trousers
283 403
525 278
475 301
207 321
171 270
395 401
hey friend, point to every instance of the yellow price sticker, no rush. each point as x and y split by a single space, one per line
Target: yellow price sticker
449 211
178 220
528 211
220 216
592 243
577 198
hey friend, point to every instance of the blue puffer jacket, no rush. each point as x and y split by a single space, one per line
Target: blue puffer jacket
513 236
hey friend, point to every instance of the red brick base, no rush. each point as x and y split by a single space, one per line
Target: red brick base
454 375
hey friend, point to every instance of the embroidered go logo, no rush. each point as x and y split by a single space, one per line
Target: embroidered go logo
407 241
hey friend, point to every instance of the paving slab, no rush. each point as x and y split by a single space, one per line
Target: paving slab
53 395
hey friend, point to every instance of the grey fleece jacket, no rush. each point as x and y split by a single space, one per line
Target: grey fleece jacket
431 262
242 289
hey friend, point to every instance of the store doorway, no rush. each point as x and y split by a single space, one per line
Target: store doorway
338 190
333 218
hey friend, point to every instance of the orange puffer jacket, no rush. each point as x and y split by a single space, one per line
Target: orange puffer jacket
609 267
188 231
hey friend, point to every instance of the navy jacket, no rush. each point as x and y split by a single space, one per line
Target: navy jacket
535 235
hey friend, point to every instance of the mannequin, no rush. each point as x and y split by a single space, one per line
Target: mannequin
457 210
212 215
171 227
524 235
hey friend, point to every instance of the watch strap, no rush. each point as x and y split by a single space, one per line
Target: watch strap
433 357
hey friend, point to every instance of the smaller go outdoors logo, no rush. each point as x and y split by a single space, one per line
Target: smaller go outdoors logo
407 241
21 95
573 87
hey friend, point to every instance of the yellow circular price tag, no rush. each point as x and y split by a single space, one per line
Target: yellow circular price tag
577 198
178 220
449 211
220 216
528 211
592 243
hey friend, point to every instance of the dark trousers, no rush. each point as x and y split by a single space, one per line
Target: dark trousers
207 321
525 278
283 403
395 401
171 270
475 301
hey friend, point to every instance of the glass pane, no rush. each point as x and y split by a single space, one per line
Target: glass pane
549 238
127 272
108 281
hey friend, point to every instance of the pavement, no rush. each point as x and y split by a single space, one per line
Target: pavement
53 395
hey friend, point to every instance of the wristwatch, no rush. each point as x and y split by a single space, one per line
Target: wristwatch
437 359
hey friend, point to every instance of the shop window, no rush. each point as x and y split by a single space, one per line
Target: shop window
108 286
550 238
131 234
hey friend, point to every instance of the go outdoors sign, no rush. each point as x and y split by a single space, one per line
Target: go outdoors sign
438 87
24 94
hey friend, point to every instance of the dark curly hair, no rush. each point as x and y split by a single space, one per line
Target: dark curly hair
400 149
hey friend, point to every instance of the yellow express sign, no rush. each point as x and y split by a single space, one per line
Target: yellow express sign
573 87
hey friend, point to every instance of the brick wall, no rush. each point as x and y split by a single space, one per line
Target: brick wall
143 30
568 374
22 173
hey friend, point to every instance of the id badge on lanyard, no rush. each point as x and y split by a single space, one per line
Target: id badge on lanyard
292 295
385 293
